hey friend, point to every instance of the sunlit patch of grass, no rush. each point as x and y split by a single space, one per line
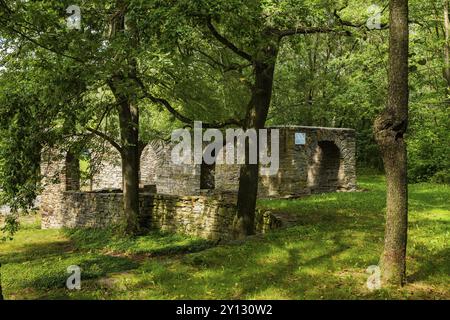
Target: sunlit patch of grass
324 256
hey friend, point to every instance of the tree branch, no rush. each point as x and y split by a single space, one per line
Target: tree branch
222 66
342 23
358 25
166 104
310 30
187 120
227 42
106 137
37 43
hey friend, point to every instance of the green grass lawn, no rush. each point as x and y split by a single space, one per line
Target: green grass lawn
324 256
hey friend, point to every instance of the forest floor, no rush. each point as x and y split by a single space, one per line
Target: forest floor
336 237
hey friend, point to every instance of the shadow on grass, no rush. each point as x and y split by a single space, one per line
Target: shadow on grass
432 264
422 200
153 244
34 263
49 270
324 256
29 252
52 273
254 269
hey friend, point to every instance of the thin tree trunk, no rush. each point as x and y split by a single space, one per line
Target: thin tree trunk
390 128
447 46
129 129
130 151
244 223
1 291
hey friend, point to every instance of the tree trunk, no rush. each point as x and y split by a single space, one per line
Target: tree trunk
244 223
1 291
447 47
129 125
129 130
130 155
390 128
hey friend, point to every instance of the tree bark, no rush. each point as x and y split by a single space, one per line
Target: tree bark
129 124
129 131
390 128
447 46
1 291
244 223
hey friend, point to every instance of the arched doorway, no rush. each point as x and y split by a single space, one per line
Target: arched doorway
323 173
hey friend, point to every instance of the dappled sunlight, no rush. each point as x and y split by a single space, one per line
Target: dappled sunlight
324 255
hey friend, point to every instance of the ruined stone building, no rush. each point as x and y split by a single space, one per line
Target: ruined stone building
198 199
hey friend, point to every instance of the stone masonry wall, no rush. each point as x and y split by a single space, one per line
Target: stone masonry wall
175 179
201 216
109 175
60 174
156 169
325 163
86 210
63 206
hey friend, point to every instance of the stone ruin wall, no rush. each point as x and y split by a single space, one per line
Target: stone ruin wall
200 216
63 205
156 168
325 163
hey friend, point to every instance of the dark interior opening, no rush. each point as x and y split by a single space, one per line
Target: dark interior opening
73 174
325 172
207 175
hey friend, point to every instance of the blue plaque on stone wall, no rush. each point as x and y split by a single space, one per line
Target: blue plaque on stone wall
300 139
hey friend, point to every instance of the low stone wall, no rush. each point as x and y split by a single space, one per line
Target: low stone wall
87 210
209 217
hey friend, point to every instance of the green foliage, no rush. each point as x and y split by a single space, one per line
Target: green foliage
338 84
341 81
9 228
54 82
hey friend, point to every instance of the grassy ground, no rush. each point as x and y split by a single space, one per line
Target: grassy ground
323 257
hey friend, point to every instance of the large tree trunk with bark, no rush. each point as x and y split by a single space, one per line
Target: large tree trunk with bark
390 128
244 223
129 124
130 151
129 129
